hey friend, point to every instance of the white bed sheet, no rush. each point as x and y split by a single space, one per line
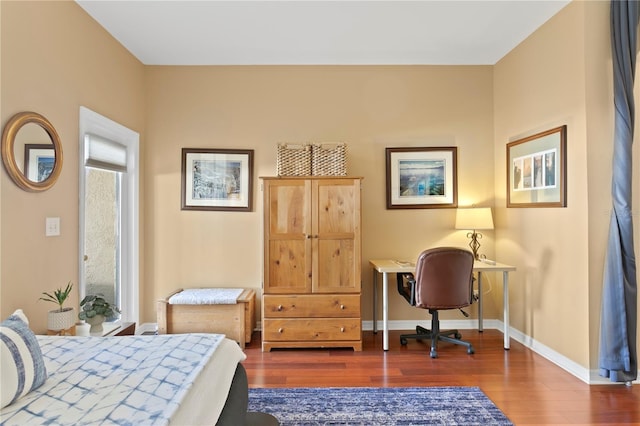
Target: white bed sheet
208 394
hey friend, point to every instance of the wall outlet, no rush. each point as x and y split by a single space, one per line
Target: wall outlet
52 227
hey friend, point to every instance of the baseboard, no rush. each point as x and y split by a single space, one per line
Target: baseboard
596 379
561 361
590 377
465 324
147 328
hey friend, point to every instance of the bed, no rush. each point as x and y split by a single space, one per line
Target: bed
165 379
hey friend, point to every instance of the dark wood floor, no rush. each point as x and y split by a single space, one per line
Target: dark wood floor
525 386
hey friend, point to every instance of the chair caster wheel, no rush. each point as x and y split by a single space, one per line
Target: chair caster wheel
433 354
403 341
470 351
458 336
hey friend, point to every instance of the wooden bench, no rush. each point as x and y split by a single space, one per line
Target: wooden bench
237 321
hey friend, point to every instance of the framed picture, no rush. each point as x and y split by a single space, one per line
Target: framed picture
217 179
39 160
537 170
422 178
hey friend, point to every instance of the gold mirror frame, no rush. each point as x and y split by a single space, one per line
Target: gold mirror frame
8 156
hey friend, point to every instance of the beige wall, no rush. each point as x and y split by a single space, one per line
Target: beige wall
370 108
538 86
560 75
55 58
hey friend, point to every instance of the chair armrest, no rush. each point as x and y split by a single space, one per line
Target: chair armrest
407 287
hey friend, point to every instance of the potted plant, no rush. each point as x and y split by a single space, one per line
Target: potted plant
62 318
95 310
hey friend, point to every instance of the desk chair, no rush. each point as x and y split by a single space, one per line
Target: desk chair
443 280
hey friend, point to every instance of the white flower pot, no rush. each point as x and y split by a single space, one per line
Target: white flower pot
96 323
64 320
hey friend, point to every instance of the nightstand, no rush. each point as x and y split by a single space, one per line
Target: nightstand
125 329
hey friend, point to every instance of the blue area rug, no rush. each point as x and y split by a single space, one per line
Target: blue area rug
378 406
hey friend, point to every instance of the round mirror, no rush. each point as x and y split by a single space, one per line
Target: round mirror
31 151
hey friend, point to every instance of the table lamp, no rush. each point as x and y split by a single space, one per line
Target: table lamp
474 218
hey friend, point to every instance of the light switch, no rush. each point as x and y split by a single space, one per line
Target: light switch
52 227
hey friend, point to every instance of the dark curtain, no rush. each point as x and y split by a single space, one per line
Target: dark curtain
618 351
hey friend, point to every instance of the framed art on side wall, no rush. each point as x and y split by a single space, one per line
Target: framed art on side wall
217 179
421 178
537 170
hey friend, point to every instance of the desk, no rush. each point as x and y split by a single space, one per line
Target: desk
388 266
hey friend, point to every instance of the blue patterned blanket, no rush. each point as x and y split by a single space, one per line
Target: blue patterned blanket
137 380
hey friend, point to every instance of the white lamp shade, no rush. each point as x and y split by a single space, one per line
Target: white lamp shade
474 218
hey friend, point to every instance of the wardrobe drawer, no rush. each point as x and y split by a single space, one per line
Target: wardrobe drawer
312 306
311 330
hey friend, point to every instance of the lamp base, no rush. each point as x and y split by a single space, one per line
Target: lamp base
474 243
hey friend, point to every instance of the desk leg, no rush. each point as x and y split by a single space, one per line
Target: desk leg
375 301
480 313
385 311
505 301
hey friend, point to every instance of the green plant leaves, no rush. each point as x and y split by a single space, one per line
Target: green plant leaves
59 296
93 305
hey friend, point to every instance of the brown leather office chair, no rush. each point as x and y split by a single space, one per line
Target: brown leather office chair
443 280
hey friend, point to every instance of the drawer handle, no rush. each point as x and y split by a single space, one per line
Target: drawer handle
342 307
280 330
279 308
342 329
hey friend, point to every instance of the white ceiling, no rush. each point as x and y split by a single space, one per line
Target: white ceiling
307 32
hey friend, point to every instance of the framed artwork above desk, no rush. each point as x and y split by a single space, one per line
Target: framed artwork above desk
422 178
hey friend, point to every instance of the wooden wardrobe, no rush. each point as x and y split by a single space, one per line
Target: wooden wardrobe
312 263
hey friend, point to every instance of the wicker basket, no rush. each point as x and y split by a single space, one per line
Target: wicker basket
329 159
293 159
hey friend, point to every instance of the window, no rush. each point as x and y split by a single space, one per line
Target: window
109 199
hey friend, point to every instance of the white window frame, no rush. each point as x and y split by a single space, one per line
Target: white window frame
94 123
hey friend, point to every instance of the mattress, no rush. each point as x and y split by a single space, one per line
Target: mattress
130 380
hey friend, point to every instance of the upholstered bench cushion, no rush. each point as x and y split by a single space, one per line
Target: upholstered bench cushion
206 296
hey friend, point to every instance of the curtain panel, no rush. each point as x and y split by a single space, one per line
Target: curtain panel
618 358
